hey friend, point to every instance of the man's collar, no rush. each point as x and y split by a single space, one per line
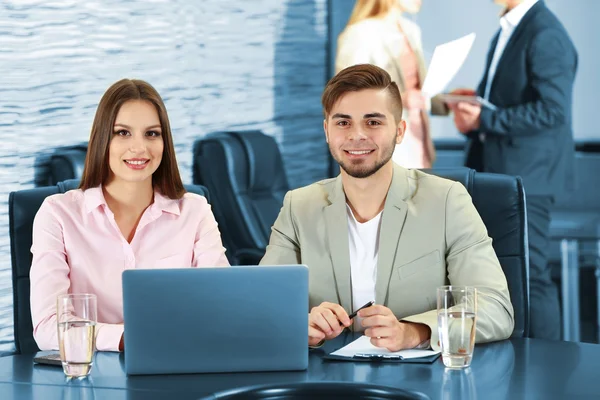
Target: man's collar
398 192
513 17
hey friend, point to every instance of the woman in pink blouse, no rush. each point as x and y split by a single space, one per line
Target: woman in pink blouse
130 211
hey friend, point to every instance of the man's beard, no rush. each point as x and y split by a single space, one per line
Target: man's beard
364 171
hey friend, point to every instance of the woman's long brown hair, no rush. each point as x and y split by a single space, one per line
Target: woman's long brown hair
166 178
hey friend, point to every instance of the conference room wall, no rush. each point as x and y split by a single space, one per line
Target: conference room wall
217 64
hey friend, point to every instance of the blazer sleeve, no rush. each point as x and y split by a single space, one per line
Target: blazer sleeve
471 261
552 64
283 247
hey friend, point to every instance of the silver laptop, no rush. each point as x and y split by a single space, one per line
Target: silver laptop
230 319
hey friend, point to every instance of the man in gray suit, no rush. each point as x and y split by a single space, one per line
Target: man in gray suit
379 232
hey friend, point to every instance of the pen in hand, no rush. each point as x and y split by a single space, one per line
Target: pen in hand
355 313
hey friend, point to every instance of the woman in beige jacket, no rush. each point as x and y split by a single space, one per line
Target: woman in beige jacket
378 33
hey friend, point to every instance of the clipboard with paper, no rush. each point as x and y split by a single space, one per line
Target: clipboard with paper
361 349
448 58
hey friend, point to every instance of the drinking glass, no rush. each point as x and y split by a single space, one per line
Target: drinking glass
76 316
457 318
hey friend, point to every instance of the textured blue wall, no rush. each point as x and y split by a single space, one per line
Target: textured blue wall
218 65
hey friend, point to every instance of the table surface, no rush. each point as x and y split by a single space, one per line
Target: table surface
512 369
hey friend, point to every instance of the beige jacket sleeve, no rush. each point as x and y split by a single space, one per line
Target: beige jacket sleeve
471 261
283 245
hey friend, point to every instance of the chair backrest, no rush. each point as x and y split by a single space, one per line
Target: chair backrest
245 175
500 201
22 207
63 163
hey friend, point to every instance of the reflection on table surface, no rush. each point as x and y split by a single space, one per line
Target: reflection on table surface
518 368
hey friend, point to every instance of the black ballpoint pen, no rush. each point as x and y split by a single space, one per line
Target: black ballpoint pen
369 304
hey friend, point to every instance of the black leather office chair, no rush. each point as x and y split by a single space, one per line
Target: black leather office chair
245 175
22 207
64 163
500 200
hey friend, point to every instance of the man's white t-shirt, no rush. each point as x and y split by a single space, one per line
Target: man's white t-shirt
364 252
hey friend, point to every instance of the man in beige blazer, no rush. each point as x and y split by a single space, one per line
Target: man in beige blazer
427 231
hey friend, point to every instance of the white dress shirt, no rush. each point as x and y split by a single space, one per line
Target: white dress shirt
508 24
364 253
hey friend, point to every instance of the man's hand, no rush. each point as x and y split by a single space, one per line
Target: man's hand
413 99
466 117
326 321
461 92
386 331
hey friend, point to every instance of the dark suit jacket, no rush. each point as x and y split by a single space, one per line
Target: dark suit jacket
530 134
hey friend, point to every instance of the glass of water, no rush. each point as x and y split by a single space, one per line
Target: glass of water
457 318
77 317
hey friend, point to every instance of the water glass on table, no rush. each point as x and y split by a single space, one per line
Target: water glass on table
76 316
457 318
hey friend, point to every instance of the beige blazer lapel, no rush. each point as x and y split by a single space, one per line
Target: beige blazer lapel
336 225
392 222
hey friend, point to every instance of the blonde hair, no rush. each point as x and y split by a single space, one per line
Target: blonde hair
364 9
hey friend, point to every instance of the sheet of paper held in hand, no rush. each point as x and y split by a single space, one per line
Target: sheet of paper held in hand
363 346
446 61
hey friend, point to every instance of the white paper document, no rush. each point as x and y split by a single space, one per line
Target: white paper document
362 347
446 61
